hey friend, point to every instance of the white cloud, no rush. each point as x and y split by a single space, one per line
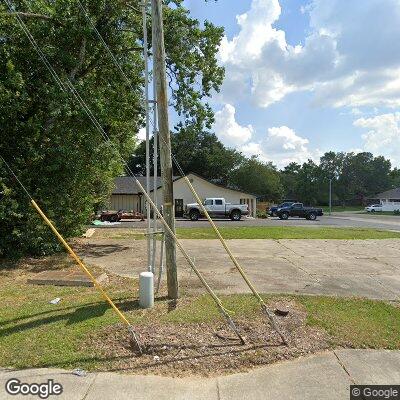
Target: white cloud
351 57
281 145
382 136
228 130
141 134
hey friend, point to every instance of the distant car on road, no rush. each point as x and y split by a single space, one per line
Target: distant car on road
217 207
272 210
298 210
374 208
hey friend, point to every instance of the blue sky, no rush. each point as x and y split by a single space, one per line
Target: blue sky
305 77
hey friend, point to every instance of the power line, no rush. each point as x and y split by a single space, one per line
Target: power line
233 258
218 302
16 177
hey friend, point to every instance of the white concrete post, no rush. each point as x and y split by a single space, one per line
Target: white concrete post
146 290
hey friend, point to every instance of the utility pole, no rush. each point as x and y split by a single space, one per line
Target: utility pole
330 196
159 71
146 95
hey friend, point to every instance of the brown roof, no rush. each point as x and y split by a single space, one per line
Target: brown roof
127 184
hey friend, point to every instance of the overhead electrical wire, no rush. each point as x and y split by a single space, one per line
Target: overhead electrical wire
178 166
70 86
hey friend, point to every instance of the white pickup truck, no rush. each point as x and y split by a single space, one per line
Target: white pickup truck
217 207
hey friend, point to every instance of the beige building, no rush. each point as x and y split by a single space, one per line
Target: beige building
126 195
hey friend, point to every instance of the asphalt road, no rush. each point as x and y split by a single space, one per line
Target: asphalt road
339 219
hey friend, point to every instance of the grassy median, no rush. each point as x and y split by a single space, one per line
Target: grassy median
258 232
286 232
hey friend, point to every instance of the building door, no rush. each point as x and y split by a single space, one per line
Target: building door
179 208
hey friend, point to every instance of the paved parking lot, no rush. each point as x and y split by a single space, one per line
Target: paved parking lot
340 219
366 268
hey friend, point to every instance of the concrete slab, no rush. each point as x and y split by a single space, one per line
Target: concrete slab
364 268
74 387
312 378
66 278
350 286
372 367
112 386
390 282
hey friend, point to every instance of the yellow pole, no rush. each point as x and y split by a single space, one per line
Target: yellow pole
191 263
235 262
80 263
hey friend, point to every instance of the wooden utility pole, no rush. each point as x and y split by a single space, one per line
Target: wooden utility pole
159 71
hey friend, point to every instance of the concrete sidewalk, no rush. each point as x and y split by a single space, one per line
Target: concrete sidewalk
322 376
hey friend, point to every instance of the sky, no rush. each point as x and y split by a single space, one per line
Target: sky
307 76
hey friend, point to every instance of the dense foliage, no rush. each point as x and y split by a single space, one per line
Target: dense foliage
198 152
355 177
258 178
47 138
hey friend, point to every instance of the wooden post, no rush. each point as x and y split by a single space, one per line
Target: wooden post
159 71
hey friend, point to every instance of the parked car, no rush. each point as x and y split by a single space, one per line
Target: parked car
374 208
272 210
216 207
298 210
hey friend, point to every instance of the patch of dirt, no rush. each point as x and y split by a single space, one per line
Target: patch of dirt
208 349
20 271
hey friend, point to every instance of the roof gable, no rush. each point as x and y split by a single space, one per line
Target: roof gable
389 194
127 184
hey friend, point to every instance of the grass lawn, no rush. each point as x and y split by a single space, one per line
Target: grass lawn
380 213
259 232
342 209
286 232
34 333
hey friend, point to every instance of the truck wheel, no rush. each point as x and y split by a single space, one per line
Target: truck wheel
312 216
284 215
236 215
194 215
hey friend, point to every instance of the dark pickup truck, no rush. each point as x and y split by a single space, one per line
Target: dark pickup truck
298 210
272 210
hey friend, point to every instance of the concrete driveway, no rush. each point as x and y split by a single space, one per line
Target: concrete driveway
366 268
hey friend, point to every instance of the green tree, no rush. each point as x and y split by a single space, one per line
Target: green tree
363 175
46 136
289 178
308 180
198 152
261 179
394 176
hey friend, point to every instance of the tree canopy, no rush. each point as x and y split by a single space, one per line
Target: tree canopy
261 179
46 136
354 178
